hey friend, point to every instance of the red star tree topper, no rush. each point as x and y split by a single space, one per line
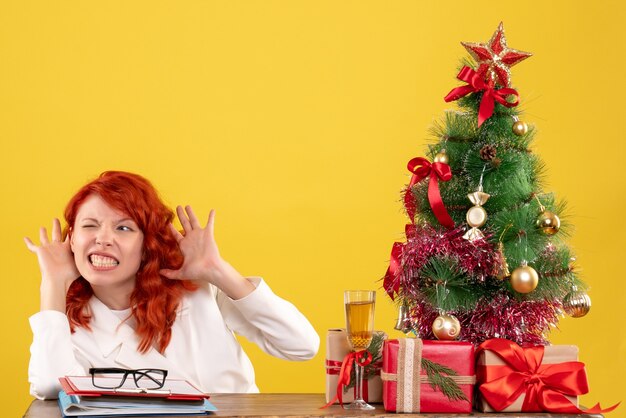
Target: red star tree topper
495 58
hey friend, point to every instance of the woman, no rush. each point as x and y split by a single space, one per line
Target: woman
121 287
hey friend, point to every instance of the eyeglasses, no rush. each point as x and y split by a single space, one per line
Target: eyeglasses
114 378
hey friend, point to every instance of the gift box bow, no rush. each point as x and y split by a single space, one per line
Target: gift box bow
545 385
333 367
363 358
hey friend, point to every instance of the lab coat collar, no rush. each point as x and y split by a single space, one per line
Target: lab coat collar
110 334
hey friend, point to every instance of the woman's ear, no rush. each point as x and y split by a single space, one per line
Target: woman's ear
70 235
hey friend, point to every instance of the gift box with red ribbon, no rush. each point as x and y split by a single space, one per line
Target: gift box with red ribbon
422 376
337 348
531 379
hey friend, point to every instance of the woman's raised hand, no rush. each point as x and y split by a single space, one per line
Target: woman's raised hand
197 245
56 262
202 260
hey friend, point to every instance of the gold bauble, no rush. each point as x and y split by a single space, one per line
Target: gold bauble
520 128
446 327
576 304
524 279
548 223
441 157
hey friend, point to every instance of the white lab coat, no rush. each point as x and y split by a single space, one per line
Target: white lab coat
203 348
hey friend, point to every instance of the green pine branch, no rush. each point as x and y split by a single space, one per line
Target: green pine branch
446 285
438 378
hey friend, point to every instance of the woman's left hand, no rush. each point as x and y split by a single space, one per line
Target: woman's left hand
202 260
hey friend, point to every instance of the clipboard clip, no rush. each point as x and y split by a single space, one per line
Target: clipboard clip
143 391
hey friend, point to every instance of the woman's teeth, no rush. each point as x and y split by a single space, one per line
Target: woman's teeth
103 261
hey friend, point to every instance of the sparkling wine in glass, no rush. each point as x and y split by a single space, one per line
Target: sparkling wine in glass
359 306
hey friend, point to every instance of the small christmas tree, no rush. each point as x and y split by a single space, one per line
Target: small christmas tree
484 255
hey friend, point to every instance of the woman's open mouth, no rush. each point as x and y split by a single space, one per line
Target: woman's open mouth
103 262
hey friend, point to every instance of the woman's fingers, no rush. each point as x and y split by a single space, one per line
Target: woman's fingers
43 235
56 230
176 233
57 236
192 218
171 274
188 218
182 216
210 225
31 246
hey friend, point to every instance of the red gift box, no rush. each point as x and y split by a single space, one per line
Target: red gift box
406 387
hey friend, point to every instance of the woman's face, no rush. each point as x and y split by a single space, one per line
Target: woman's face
107 246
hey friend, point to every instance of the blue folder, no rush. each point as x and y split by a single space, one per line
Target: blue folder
112 406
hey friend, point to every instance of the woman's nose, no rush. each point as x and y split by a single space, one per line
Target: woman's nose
104 237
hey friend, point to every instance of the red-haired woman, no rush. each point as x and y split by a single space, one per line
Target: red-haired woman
121 287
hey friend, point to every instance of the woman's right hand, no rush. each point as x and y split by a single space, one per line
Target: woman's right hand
58 269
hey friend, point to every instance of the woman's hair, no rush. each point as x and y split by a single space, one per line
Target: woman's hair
155 298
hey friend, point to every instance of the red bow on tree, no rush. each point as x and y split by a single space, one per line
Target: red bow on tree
422 168
476 83
545 386
391 282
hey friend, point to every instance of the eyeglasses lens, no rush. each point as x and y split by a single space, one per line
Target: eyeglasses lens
109 380
149 378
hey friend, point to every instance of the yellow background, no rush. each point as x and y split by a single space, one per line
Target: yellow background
295 120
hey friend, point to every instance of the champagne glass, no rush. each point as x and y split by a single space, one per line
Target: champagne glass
359 306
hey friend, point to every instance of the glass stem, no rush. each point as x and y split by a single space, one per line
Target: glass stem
358 374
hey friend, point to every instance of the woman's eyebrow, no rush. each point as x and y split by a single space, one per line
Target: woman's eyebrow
89 219
117 222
